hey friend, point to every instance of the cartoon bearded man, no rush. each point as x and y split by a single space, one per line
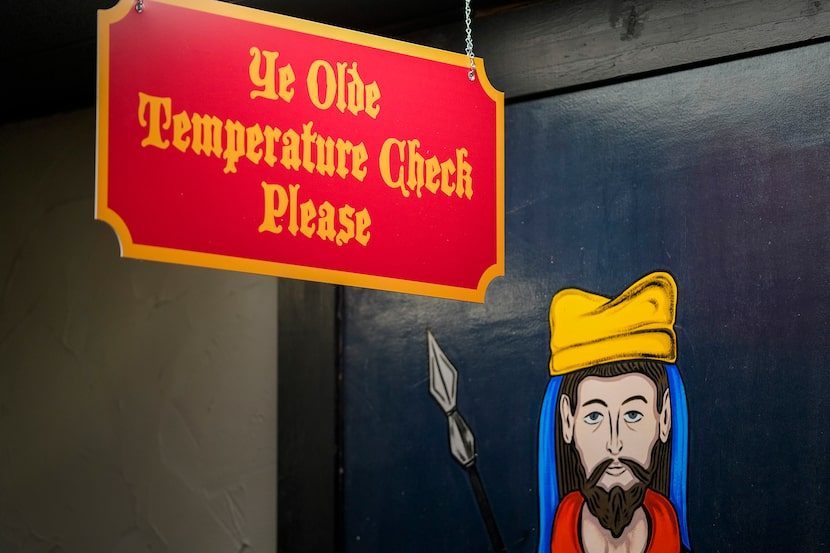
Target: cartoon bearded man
613 432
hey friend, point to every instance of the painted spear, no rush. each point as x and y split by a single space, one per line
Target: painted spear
443 382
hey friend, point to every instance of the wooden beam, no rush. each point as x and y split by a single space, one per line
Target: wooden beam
547 46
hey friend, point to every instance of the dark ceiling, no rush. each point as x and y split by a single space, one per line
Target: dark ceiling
49 46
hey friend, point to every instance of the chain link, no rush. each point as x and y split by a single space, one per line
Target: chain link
468 21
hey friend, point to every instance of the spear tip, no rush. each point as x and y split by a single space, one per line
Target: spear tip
443 377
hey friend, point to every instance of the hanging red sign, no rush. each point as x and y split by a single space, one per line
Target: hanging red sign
239 139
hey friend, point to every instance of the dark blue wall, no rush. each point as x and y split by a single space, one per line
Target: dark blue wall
719 175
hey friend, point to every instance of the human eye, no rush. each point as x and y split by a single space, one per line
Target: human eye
632 416
594 417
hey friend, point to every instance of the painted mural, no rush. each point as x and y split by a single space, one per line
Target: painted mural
650 374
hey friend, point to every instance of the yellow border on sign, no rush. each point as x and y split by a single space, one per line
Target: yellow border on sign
108 17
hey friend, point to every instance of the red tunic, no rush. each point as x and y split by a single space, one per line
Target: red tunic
663 527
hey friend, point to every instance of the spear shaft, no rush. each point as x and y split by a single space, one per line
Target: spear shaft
486 511
443 381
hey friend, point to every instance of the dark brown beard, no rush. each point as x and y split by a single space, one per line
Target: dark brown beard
615 508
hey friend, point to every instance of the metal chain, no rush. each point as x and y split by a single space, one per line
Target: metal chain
139 6
468 21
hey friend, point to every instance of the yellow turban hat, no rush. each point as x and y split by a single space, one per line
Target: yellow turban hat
588 329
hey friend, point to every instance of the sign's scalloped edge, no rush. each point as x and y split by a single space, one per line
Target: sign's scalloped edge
114 14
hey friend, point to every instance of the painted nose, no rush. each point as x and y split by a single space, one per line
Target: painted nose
615 444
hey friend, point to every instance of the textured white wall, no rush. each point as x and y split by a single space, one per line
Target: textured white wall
137 399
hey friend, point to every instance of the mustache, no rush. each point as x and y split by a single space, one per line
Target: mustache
639 471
